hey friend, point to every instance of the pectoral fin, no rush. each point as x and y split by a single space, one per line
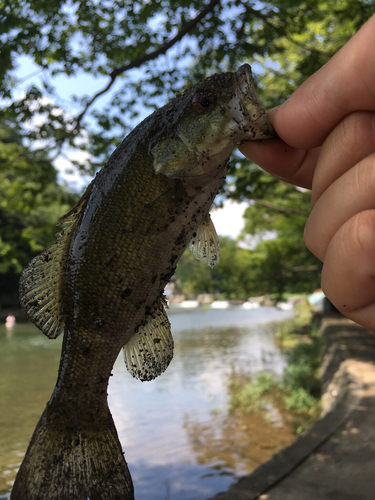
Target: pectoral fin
150 350
42 281
205 243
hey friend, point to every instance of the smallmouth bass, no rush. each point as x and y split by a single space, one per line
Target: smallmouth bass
102 281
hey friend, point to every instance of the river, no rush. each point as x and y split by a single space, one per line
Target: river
179 440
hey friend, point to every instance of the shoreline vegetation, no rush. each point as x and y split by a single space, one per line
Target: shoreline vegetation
293 399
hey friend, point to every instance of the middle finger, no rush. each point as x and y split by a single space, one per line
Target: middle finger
349 195
352 140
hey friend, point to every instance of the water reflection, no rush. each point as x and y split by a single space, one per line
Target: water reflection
174 430
236 443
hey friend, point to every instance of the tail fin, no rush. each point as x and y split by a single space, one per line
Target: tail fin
73 463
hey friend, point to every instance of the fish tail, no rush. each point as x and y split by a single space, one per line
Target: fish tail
73 462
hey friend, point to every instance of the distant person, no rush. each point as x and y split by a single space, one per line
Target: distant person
328 129
10 321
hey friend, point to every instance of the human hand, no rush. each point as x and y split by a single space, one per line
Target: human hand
327 131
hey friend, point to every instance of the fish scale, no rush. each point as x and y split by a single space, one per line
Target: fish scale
102 281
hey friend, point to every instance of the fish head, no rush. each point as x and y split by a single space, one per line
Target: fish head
205 123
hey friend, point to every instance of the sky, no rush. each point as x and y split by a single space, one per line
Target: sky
228 220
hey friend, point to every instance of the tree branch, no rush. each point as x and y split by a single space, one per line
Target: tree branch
151 56
277 208
281 31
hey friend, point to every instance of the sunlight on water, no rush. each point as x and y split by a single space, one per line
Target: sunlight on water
178 439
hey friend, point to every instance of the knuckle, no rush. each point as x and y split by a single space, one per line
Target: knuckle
361 232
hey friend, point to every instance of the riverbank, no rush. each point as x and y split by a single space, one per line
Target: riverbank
335 458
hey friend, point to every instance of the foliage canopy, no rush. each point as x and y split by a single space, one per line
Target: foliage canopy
139 54
135 56
31 202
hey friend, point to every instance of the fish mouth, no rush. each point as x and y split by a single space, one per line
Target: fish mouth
245 79
252 109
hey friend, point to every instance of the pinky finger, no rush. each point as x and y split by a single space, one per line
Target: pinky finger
348 276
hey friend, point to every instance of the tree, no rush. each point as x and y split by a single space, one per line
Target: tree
31 202
139 54
275 222
235 277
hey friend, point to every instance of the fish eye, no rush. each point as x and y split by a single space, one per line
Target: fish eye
203 102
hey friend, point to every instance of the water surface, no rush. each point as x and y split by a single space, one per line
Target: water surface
179 441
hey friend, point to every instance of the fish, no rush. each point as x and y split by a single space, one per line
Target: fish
102 281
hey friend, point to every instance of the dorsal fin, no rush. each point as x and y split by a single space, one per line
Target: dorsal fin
43 280
205 244
150 350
